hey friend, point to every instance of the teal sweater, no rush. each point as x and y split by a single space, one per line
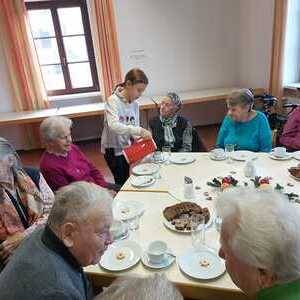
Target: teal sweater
254 135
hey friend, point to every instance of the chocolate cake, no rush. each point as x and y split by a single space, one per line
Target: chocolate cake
179 214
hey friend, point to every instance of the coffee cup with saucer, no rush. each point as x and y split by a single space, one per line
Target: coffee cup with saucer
279 152
157 255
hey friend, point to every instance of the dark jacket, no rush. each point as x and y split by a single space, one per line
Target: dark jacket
43 268
178 131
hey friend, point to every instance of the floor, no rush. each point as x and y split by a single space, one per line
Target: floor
92 150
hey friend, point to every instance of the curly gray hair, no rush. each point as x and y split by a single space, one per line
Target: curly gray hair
149 288
52 127
267 229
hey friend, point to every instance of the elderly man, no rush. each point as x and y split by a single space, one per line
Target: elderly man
260 243
63 163
48 265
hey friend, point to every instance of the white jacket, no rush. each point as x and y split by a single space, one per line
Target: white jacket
121 123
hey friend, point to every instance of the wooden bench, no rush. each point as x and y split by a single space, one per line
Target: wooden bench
94 109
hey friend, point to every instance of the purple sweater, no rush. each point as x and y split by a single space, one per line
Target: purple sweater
63 170
290 137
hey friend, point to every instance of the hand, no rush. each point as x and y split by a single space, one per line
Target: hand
146 134
10 244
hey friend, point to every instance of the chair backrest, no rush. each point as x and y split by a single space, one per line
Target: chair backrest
197 143
274 138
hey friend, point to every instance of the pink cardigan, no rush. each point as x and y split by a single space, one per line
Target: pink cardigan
290 137
63 170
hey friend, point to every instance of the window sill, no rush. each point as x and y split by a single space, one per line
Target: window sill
292 86
79 96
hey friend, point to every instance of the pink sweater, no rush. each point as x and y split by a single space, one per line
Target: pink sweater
63 170
290 137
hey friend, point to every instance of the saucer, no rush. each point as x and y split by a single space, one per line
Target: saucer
142 181
166 262
217 158
286 157
296 155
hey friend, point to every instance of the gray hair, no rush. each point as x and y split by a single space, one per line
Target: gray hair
157 287
51 127
75 201
7 149
242 97
267 230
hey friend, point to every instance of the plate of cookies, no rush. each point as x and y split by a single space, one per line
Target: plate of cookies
178 217
201 264
121 256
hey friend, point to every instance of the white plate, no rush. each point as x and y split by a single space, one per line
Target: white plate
182 159
127 209
190 264
142 181
294 177
243 155
145 169
131 255
170 226
296 155
286 157
167 261
211 156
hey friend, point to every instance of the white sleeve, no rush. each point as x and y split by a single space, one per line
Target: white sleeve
113 121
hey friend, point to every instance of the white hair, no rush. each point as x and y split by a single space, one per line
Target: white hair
52 127
266 231
76 201
156 287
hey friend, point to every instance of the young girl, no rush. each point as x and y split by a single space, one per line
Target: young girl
121 123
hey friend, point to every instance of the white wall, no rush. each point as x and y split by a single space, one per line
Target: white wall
255 42
183 45
188 44
292 44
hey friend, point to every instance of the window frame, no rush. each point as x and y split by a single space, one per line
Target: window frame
53 5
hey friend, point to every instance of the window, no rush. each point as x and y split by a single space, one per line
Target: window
62 38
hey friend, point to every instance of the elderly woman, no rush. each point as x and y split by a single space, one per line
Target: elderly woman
244 127
260 243
171 129
25 200
63 163
148 288
290 137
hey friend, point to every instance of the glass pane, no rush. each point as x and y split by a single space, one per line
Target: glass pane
47 51
80 75
75 47
70 20
41 23
53 77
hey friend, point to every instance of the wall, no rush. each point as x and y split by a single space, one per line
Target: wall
188 45
255 42
183 45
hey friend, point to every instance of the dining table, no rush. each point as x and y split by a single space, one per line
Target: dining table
167 190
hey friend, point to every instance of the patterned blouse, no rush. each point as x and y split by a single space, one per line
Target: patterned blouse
10 221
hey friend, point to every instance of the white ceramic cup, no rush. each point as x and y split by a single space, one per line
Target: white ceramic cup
218 153
279 151
156 251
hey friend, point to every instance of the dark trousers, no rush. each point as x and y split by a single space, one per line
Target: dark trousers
118 166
